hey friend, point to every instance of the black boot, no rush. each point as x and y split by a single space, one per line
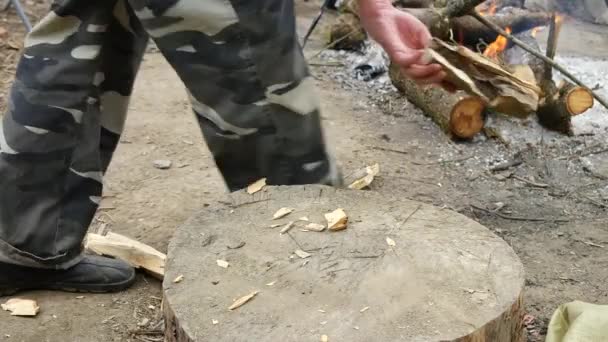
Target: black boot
93 274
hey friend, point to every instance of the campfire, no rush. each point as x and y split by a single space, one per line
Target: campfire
491 56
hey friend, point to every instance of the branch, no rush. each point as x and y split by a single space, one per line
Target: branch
537 54
554 28
458 8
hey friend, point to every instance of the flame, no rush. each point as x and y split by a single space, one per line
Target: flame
497 46
559 19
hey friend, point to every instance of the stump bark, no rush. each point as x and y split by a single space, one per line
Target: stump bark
401 271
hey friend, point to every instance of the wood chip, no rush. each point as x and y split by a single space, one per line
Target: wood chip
275 225
321 311
287 227
303 218
324 338
314 227
162 164
364 309
21 307
243 300
390 242
257 186
271 283
364 177
222 263
302 254
79 297
282 213
178 279
215 322
336 220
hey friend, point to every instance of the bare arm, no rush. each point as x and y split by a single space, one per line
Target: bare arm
403 37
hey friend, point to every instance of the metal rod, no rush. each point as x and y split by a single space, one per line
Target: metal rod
22 15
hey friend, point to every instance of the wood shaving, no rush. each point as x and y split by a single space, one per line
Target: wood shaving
271 283
223 263
243 300
364 309
178 279
215 322
21 307
302 254
314 227
257 186
287 227
390 242
336 220
282 213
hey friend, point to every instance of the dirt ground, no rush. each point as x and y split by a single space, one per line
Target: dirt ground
564 261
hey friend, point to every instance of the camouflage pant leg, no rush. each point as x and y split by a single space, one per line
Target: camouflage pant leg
121 57
249 86
50 146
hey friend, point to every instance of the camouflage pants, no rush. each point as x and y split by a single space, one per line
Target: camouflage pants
245 74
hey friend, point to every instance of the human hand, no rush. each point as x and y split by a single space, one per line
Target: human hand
403 37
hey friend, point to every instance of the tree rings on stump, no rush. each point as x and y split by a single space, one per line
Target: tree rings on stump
400 271
466 118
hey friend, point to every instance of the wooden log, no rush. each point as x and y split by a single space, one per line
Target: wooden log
401 271
137 254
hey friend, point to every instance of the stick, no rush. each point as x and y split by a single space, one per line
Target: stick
517 218
539 55
458 8
554 29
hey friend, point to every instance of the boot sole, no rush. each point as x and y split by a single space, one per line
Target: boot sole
73 288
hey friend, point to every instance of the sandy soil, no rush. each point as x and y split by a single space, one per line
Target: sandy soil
562 260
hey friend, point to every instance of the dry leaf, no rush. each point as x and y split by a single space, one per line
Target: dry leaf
21 307
365 177
390 242
282 213
314 227
178 279
364 309
215 321
223 263
336 220
302 254
257 186
243 300
271 283
287 227
324 338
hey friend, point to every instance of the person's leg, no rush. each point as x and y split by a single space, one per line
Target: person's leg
50 169
249 86
121 56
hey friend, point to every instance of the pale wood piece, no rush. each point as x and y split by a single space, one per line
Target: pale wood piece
445 277
137 254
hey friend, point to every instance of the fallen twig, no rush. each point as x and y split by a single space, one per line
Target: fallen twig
542 57
506 165
443 161
388 150
517 218
527 181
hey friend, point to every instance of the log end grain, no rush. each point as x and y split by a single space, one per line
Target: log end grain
466 118
442 277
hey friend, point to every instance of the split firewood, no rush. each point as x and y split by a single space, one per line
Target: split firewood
243 300
361 179
21 307
282 213
137 254
336 220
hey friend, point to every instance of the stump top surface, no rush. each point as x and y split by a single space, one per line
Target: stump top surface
446 276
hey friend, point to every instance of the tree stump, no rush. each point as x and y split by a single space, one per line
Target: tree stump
401 271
